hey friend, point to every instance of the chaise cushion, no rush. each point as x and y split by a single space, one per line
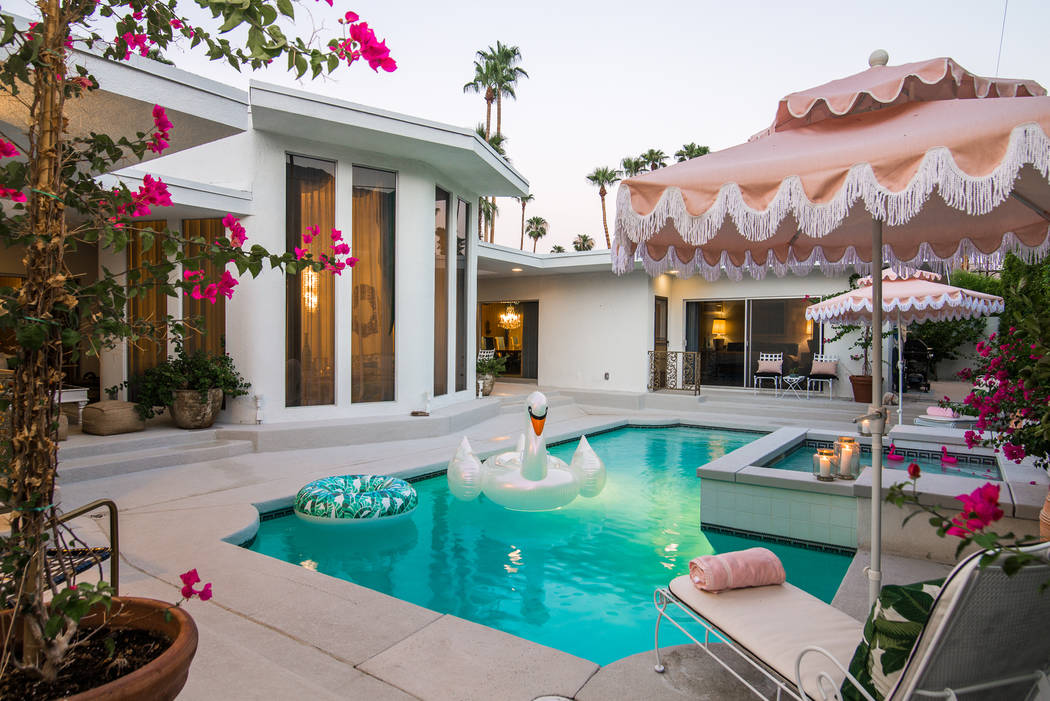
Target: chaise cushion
775 623
110 417
894 624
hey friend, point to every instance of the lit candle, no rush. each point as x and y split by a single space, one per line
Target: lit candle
825 466
845 459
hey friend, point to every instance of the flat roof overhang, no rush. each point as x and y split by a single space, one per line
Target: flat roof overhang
494 260
455 151
201 110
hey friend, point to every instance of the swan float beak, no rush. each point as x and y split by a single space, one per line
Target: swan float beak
537 422
536 404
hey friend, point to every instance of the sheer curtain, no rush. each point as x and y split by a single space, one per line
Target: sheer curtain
150 308
372 337
206 322
310 296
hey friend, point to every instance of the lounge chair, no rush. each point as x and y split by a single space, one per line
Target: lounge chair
770 367
824 370
985 637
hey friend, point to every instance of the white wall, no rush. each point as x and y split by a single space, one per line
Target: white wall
255 317
589 324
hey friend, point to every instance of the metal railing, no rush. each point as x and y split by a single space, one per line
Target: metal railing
114 535
674 370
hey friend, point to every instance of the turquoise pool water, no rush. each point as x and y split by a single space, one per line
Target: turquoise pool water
800 459
579 579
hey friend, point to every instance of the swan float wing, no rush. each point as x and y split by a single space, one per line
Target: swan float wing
588 469
465 473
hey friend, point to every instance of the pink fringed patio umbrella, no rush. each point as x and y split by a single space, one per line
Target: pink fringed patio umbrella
910 296
887 139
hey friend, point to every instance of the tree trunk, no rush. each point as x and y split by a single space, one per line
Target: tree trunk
522 244
534 242
602 193
481 219
489 97
499 113
492 222
37 379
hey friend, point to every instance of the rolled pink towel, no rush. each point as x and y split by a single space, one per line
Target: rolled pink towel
754 567
941 411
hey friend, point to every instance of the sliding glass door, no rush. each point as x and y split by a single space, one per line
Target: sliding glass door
730 334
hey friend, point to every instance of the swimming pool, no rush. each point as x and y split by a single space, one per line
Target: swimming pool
579 579
800 459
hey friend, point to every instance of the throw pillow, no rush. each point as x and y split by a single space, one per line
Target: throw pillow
894 624
773 366
824 367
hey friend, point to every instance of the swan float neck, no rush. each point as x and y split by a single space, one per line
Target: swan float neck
534 460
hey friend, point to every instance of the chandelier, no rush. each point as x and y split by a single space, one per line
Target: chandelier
510 319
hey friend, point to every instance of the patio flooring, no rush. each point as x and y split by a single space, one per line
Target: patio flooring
275 629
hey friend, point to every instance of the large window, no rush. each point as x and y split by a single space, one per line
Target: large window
462 217
147 312
310 305
372 341
441 207
206 322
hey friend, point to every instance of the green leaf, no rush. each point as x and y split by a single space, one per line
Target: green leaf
285 8
70 338
32 336
111 646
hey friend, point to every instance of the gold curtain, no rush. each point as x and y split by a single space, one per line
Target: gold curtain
310 376
208 321
372 340
151 307
441 202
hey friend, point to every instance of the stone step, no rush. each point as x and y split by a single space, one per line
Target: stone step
122 462
84 446
516 403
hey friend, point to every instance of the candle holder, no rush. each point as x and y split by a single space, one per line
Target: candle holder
824 464
847 458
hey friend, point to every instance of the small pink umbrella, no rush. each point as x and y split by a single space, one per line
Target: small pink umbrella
844 178
911 296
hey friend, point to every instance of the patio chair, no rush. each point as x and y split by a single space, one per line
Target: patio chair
824 370
770 367
985 637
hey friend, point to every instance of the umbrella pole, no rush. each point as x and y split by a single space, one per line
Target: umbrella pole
900 370
877 424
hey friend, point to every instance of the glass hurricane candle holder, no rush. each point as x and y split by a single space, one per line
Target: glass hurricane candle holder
824 464
847 458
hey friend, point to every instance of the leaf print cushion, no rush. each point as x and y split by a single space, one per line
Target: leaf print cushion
894 624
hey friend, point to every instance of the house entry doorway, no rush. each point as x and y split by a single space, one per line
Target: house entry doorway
511 329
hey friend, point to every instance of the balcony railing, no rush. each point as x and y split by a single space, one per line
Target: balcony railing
674 370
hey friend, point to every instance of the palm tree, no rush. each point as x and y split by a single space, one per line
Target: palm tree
497 142
524 201
484 75
557 249
654 158
690 151
632 166
536 229
488 210
583 242
603 177
505 74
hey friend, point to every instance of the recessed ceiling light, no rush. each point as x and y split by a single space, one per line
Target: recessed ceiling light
672 272
515 270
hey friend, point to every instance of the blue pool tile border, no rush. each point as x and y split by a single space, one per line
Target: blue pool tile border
659 426
934 455
782 540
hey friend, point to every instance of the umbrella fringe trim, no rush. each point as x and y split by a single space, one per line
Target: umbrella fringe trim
975 195
858 311
624 254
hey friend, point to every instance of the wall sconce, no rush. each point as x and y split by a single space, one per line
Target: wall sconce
718 327
823 460
847 458
310 289
809 327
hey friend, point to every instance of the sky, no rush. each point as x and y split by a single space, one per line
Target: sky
613 79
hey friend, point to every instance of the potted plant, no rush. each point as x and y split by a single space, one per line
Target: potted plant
488 369
54 203
190 385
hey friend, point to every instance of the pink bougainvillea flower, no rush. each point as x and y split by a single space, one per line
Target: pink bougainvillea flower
190 578
177 24
341 249
351 262
7 149
205 593
913 471
1013 452
225 285
8 193
980 509
311 232
337 235
351 17
193 275
237 234
299 253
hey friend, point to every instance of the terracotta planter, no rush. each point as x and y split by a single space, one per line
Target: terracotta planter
1044 519
487 383
861 388
163 678
188 411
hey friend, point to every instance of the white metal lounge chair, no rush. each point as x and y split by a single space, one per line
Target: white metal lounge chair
985 638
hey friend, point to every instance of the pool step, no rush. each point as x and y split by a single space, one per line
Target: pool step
126 461
81 445
516 403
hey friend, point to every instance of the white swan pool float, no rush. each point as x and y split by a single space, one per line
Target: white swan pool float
527 478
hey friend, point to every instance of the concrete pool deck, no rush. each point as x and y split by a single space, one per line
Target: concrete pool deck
276 629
